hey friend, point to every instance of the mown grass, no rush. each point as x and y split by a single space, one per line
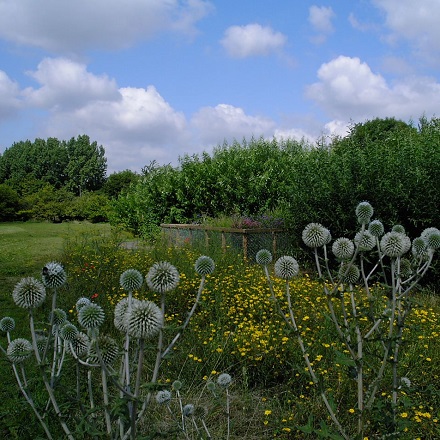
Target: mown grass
236 330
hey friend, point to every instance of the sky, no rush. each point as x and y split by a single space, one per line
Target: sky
153 80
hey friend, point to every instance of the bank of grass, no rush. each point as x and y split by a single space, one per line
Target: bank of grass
235 330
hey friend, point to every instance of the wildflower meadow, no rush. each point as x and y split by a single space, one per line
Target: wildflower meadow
166 341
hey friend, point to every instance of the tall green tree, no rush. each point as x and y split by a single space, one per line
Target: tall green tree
87 165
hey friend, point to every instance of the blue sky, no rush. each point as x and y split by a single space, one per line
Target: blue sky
157 79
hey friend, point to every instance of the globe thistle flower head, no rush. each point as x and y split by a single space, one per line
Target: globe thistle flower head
7 324
419 247
41 341
286 267
315 235
349 273
398 228
53 275
365 241
29 293
145 320
163 397
405 382
393 244
376 228
59 317
263 257
79 345
432 238
204 265
19 350
91 316
131 280
68 332
343 248
405 268
162 277
82 302
188 410
364 212
122 313
108 349
200 412
224 380
177 385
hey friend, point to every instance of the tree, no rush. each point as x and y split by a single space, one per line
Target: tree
87 165
118 183
9 203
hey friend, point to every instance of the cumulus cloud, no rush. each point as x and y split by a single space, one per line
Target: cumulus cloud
348 89
74 26
226 122
9 97
67 84
252 40
416 22
320 17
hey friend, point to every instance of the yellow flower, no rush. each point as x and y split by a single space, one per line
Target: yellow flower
351 411
267 412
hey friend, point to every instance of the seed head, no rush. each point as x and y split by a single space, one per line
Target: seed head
19 350
53 275
162 277
263 257
315 235
204 265
131 280
29 293
286 267
224 380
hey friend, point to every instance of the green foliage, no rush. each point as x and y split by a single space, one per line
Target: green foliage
9 203
118 183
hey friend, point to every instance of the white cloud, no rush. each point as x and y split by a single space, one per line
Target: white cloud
68 84
9 97
215 124
348 89
74 26
416 22
320 17
252 40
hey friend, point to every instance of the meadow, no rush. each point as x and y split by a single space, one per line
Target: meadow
235 329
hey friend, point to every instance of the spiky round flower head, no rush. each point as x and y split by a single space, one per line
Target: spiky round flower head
7 324
41 341
343 248
405 268
263 257
68 332
286 267
91 316
188 410
108 349
29 293
163 397
406 243
365 241
224 380
364 212
19 350
145 320
432 237
398 228
349 273
211 386
162 277
121 313
315 235
405 382
376 228
177 385
80 345
81 303
131 280
53 275
392 244
419 247
204 265
59 317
